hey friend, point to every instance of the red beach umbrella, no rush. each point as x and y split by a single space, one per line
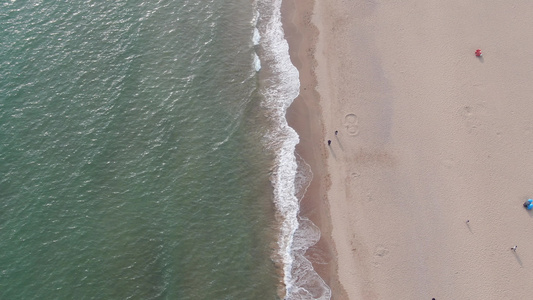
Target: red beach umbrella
478 53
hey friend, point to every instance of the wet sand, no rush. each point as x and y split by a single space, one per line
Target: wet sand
305 117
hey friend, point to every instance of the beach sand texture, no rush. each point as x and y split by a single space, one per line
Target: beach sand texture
429 136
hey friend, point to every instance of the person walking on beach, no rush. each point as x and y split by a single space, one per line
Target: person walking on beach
329 142
336 132
514 248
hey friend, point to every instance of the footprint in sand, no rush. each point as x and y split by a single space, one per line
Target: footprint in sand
351 123
467 111
474 116
381 251
369 197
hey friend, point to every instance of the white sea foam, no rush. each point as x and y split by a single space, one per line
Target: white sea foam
290 177
256 39
257 63
257 36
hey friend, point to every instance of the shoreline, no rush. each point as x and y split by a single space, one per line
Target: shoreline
305 117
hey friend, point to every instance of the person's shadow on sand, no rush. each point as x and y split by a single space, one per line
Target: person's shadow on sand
339 142
332 152
517 258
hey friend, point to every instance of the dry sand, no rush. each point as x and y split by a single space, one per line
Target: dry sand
429 136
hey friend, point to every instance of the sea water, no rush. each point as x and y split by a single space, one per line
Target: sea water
144 153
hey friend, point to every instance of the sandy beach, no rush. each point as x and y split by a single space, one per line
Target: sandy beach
429 136
305 117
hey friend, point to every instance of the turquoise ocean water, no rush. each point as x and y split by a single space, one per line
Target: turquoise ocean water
144 153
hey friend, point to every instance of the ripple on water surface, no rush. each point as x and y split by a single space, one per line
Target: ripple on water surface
130 157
